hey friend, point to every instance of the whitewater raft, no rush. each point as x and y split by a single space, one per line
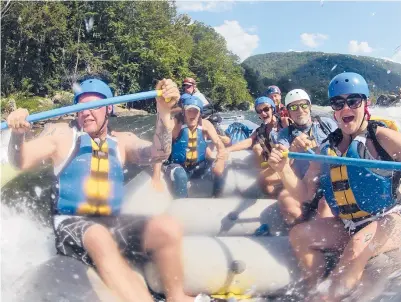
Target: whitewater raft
234 246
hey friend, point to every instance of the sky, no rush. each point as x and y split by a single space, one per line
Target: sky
369 28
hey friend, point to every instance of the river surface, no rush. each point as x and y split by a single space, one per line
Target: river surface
26 235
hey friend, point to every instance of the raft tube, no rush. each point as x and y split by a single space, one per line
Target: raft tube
241 265
228 216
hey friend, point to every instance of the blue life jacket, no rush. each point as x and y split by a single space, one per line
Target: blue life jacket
355 193
189 148
92 181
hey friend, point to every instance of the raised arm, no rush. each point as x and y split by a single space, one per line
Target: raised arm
144 152
26 155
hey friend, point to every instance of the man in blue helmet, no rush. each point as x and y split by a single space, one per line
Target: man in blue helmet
189 155
262 140
366 210
88 166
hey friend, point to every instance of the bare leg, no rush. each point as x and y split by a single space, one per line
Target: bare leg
112 267
163 237
156 178
376 238
309 239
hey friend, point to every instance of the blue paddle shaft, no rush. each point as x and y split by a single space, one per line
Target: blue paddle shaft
336 160
89 105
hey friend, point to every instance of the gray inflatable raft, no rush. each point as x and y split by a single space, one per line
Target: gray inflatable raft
233 245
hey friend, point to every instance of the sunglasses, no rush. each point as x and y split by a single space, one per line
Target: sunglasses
265 110
353 101
295 107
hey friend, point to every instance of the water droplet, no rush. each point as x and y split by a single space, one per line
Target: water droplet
76 88
334 67
75 276
38 191
388 71
202 298
89 24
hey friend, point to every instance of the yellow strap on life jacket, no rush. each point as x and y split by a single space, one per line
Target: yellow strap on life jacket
192 148
392 124
97 185
343 194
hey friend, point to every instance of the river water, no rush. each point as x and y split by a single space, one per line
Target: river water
26 236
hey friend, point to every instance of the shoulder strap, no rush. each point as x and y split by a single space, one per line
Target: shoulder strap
372 128
278 117
334 138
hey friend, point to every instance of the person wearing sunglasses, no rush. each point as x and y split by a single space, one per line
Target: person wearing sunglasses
365 202
261 141
305 132
189 86
89 191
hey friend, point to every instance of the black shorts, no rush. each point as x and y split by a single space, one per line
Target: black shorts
127 231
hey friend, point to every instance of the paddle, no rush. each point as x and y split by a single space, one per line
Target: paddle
94 104
336 160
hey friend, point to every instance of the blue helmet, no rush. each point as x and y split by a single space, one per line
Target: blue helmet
272 89
265 100
93 86
191 100
348 83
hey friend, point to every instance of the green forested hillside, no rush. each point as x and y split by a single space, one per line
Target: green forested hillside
313 70
47 46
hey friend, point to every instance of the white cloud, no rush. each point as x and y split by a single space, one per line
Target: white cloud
200 6
238 40
356 47
313 40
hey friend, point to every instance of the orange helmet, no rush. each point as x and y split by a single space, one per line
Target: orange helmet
189 81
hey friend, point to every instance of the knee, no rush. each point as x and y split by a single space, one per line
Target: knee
162 230
179 174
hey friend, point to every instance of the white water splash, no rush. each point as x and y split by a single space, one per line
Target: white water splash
76 88
38 191
25 244
89 24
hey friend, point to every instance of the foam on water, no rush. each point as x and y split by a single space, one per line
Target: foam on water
25 243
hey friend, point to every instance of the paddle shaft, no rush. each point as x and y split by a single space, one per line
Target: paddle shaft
336 160
89 105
